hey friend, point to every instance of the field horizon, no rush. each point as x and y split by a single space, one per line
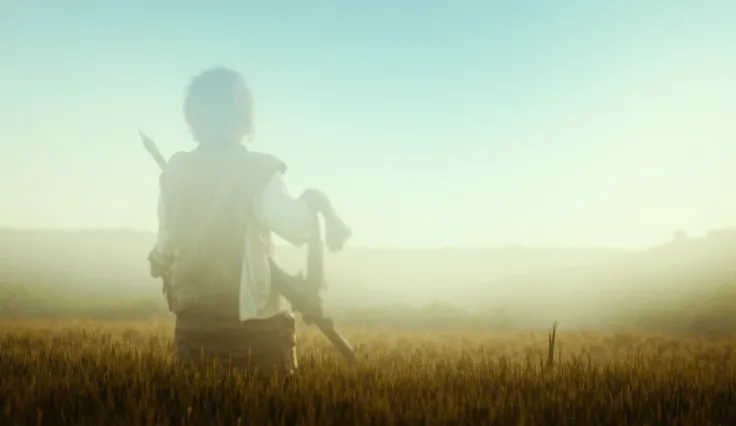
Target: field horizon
680 285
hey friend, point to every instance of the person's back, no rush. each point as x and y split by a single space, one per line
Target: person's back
217 208
210 193
209 196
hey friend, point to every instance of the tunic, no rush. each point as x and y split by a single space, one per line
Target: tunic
217 209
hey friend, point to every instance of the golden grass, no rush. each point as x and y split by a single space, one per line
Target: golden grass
96 373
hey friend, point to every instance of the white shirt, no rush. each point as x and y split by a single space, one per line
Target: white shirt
275 209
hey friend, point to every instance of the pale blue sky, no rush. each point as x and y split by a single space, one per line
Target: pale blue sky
429 123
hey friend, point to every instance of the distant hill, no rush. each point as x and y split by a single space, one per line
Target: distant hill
681 275
99 261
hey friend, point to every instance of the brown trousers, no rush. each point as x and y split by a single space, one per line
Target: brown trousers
262 346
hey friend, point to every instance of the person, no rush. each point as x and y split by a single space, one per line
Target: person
218 206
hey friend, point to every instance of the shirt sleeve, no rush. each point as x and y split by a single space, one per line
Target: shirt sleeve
163 242
288 217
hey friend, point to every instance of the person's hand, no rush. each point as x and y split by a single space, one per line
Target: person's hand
159 263
336 234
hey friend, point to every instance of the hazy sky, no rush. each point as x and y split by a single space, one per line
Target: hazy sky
429 123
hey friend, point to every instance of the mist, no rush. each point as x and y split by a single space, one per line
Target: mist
681 284
517 165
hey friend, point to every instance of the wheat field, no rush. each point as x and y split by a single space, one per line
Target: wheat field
120 373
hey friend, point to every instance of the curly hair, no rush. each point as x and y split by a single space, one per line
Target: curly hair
218 107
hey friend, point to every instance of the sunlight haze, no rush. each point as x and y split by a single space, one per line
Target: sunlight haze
468 123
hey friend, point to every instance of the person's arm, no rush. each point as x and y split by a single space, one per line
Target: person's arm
290 218
336 232
293 219
161 255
